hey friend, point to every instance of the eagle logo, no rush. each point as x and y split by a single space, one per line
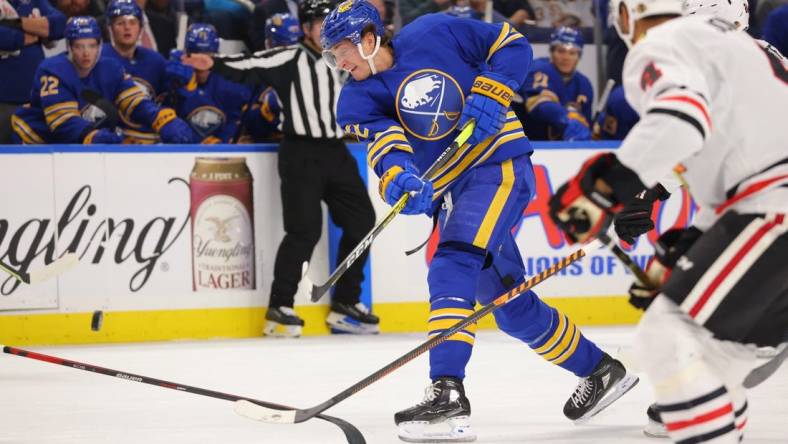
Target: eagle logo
221 228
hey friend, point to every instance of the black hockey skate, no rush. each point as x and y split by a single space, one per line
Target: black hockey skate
655 427
282 322
443 416
608 382
346 318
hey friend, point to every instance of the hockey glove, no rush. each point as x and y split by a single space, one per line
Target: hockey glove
171 128
180 76
635 218
576 127
578 209
670 246
488 103
102 136
397 181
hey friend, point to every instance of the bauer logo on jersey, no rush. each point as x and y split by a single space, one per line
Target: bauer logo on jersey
429 104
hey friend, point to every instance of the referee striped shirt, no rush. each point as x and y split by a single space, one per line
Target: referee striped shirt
307 87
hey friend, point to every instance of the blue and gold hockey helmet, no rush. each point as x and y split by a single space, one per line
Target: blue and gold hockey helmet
567 37
122 8
82 27
347 21
201 38
283 29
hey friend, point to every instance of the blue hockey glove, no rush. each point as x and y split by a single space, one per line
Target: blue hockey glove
178 74
102 136
171 128
576 127
176 54
491 95
397 181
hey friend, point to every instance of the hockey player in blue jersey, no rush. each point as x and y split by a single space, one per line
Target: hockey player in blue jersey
25 27
211 104
58 111
262 119
558 98
407 98
617 118
145 66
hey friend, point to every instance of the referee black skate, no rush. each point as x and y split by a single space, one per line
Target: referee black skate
314 166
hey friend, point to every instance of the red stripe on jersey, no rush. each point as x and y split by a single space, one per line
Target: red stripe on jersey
693 102
749 191
742 425
731 264
712 415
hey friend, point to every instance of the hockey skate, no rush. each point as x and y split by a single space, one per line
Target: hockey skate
443 416
608 382
282 322
655 428
346 318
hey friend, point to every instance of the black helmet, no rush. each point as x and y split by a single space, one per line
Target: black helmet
309 10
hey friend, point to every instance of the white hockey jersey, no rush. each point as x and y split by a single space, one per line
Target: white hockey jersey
713 100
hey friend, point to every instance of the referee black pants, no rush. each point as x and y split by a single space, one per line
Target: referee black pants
311 171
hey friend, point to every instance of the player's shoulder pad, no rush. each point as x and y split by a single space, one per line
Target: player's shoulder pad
357 100
58 65
412 34
147 55
542 64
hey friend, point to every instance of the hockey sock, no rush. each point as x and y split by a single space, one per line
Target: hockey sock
549 333
450 357
708 417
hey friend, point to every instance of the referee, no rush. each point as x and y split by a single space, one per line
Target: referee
314 165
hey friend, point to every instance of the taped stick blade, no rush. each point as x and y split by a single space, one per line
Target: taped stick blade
59 266
264 414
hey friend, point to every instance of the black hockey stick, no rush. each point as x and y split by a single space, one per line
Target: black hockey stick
56 267
260 412
639 273
319 290
351 432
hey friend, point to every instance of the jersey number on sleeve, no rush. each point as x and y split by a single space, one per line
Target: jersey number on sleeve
49 85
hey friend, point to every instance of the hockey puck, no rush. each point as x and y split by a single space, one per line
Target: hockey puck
97 320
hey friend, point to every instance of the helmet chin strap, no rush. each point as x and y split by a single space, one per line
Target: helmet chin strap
369 57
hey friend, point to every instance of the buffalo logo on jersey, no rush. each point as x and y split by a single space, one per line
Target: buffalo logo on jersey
206 120
429 104
650 76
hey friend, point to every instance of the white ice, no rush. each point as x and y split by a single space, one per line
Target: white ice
516 397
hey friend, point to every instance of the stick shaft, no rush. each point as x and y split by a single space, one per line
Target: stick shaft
303 415
319 290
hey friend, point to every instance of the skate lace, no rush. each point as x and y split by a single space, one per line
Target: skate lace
287 310
430 393
582 392
362 308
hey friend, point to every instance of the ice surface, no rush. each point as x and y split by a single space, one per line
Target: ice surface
516 396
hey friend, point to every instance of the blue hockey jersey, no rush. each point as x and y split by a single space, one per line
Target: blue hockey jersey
146 69
411 111
57 112
262 121
545 84
20 62
213 109
615 121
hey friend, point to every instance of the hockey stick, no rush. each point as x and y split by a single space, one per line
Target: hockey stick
352 434
58 266
260 412
319 290
639 273
603 99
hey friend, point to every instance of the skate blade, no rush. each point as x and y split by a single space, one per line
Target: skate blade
620 389
764 371
457 429
655 430
277 330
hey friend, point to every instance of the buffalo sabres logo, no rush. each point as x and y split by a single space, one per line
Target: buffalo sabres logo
429 103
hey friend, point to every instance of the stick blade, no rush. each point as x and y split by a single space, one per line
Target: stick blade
59 266
264 414
318 292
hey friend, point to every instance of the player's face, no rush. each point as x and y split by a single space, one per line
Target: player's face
125 31
565 59
84 53
349 59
